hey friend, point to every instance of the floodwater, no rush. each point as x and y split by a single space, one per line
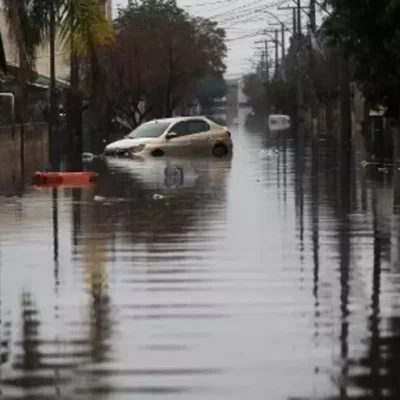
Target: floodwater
271 275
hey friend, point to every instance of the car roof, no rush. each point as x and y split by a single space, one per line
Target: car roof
177 119
279 116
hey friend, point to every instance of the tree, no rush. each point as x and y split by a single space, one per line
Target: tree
25 21
210 87
369 34
127 77
80 22
160 54
254 90
84 29
3 61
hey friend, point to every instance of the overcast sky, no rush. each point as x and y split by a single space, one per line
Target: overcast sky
243 20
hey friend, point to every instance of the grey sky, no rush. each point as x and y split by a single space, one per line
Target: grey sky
243 21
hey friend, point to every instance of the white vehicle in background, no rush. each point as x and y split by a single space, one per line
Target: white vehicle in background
174 136
279 122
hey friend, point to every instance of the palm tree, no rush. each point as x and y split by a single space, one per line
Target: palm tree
79 24
25 21
3 61
84 29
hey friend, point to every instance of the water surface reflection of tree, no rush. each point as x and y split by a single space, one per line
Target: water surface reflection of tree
333 185
30 360
94 246
138 198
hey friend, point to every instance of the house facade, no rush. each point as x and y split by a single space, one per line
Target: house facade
43 56
62 59
107 7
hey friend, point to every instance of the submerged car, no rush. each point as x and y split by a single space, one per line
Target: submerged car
277 122
174 136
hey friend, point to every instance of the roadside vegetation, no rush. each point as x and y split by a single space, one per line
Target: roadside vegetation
153 59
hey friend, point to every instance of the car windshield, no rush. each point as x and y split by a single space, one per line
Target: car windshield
149 130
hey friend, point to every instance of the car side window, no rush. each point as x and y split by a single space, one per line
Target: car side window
180 128
197 126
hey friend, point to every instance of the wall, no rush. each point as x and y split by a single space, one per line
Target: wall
35 156
43 55
107 7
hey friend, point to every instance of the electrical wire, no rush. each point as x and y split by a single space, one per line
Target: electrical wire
245 7
251 35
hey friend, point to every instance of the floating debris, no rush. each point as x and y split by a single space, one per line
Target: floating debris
88 156
384 170
110 200
173 176
158 196
264 153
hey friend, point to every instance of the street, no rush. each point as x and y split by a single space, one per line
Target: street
271 275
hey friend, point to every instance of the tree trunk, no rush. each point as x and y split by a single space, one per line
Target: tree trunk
74 123
345 104
168 103
73 108
3 61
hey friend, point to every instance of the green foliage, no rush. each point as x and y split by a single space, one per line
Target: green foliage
79 21
83 26
254 90
209 88
280 93
160 54
369 33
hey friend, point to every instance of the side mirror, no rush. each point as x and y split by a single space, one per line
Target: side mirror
171 135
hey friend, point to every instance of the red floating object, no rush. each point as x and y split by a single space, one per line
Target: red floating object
63 186
71 179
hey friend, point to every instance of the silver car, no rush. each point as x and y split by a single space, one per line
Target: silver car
174 136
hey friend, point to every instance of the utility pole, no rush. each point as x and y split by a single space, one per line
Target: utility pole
266 62
283 29
53 108
297 30
311 33
296 10
312 16
276 52
276 43
299 16
264 65
345 103
266 86
266 71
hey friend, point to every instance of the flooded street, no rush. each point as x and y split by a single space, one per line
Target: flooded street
264 276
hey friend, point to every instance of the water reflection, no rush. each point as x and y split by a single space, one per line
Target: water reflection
268 275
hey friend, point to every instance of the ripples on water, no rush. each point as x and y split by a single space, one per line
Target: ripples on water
267 276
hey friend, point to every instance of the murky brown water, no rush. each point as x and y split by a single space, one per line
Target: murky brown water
262 277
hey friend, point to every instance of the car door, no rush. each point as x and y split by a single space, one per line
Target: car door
199 135
179 144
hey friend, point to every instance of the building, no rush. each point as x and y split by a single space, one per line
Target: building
107 7
43 56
